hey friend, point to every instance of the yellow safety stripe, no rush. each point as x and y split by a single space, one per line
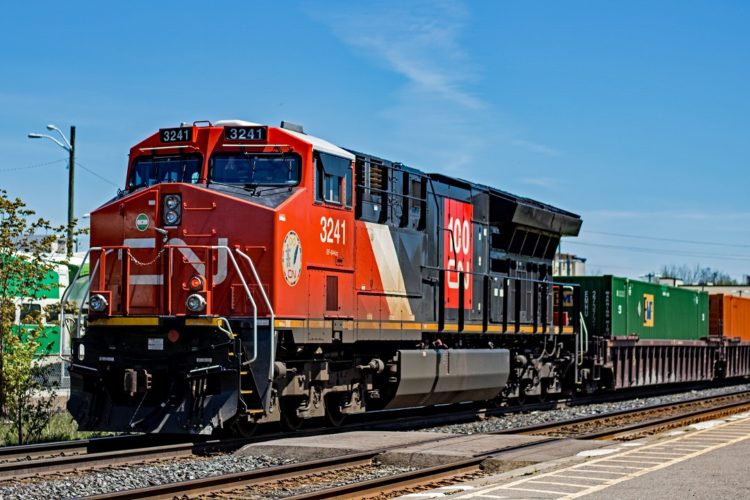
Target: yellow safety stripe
203 322
125 321
414 326
346 324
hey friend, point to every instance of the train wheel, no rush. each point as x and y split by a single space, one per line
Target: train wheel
334 417
290 421
544 396
523 397
244 428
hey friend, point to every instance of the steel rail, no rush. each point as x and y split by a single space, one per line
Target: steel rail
550 426
668 422
397 482
76 449
239 479
421 477
15 470
79 446
66 463
244 479
393 483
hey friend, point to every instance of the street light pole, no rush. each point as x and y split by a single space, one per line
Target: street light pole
70 147
71 190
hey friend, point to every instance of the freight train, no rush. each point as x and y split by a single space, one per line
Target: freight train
250 274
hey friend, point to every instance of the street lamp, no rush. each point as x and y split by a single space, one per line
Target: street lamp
70 147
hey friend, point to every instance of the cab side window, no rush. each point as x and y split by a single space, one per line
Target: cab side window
333 179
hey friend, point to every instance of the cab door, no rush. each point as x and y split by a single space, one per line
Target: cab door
331 272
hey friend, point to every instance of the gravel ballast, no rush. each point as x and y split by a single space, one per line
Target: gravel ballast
522 419
105 481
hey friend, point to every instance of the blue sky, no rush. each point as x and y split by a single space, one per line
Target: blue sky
635 115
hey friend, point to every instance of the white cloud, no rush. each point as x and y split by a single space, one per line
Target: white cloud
436 118
420 41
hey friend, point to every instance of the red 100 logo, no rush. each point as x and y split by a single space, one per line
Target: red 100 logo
458 250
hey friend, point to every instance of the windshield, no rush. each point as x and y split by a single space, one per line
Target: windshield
255 169
150 170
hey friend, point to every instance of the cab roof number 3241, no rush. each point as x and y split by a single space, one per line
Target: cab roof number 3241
176 134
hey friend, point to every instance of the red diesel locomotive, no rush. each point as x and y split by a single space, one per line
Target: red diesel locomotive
251 274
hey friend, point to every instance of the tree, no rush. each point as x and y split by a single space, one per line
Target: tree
697 275
24 272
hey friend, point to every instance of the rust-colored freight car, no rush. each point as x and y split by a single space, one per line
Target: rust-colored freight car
729 316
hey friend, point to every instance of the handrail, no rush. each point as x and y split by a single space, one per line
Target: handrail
584 339
249 296
270 310
244 285
76 329
66 295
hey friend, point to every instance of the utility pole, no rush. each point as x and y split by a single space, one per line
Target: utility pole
71 190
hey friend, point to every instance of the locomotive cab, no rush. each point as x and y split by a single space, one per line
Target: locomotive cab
183 283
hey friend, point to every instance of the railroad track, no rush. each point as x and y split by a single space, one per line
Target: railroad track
79 447
59 457
86 459
670 415
298 471
659 417
52 458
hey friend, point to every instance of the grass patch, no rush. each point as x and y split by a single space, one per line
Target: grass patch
61 427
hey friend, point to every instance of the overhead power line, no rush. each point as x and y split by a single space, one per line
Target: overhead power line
38 165
662 251
96 174
671 240
61 160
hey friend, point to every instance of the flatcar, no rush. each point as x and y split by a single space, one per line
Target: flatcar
249 274
643 334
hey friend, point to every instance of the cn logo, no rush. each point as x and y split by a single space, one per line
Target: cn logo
190 256
458 250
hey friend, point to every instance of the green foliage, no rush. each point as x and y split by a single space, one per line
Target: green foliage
61 427
25 398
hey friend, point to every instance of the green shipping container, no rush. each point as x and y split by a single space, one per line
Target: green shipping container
617 307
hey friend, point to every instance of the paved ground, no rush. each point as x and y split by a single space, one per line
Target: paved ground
421 451
708 460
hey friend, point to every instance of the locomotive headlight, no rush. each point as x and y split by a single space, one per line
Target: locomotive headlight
97 303
195 303
171 217
172 201
173 209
